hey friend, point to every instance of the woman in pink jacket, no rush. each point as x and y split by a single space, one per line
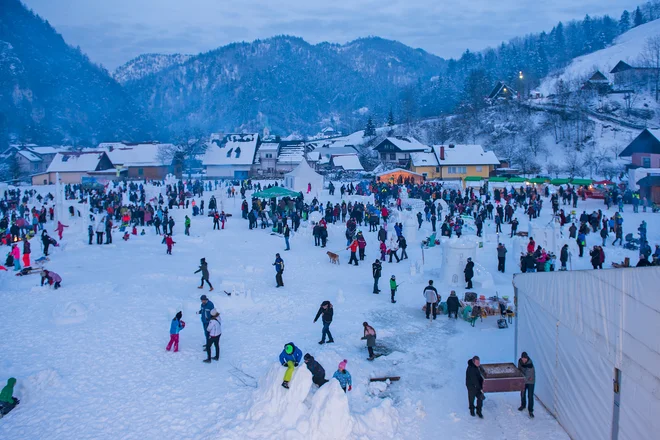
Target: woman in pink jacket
16 254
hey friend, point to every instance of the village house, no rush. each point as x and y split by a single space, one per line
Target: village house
138 160
461 161
31 158
598 83
501 91
644 150
73 166
397 150
265 161
633 77
232 157
290 155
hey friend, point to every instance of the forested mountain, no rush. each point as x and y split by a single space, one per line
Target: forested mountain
50 92
147 64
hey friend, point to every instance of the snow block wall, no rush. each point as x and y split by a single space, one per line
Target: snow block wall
454 258
578 327
303 411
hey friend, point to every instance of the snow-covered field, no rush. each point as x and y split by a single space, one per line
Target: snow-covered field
91 363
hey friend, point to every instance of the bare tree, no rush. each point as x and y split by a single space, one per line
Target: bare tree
553 169
573 166
651 59
183 151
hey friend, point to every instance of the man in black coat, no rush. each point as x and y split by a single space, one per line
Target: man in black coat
327 312
526 367
318 373
469 273
474 383
376 269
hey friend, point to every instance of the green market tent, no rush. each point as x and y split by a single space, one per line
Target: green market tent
275 191
517 180
582 182
538 180
497 179
472 178
560 181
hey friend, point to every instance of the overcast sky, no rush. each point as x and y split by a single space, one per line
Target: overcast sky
112 32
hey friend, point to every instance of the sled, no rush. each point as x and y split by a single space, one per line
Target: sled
228 293
385 378
28 271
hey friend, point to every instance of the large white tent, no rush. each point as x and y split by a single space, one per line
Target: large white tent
593 337
301 176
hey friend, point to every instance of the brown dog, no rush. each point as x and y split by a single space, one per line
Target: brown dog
334 258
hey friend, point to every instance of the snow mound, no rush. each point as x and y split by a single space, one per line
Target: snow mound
278 413
70 313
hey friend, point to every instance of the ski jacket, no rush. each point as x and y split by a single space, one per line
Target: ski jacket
279 264
327 313
296 356
344 378
354 246
431 294
392 284
175 327
452 303
376 269
205 311
6 395
204 269
473 379
527 369
214 327
318 373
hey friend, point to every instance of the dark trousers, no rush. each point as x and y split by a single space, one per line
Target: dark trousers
213 340
429 307
371 351
326 331
527 394
278 278
581 250
56 285
99 238
207 282
91 236
376 289
361 250
395 256
404 254
468 280
317 240
475 394
353 259
108 236
500 264
393 293
452 312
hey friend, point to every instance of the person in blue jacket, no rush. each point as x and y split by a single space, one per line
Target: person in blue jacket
175 327
290 358
205 312
279 270
343 376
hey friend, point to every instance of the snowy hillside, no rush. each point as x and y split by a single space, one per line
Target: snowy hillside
627 47
146 65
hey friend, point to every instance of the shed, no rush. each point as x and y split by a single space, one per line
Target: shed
399 175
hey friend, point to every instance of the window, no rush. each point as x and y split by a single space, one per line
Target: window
646 162
437 169
35 167
140 171
479 169
269 156
392 156
383 156
457 170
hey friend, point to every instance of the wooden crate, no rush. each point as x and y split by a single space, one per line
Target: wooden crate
502 378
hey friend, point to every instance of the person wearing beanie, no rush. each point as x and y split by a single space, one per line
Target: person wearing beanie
290 358
175 327
432 299
214 330
205 315
343 376
526 367
318 372
203 268
469 273
376 269
393 287
327 311
370 336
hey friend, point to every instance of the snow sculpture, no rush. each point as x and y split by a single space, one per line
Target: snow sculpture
455 253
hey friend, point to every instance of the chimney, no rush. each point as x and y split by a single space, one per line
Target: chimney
442 152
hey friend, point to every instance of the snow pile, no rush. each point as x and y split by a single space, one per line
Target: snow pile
278 413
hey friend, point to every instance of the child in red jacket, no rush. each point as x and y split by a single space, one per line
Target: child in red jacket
383 250
169 242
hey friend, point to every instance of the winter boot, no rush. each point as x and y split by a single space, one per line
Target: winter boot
522 408
531 415
472 412
481 416
200 287
321 342
285 384
331 341
211 289
208 361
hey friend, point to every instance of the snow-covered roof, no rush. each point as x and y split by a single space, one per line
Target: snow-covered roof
235 149
269 146
408 144
348 162
30 156
76 162
50 149
465 155
323 155
127 155
425 159
291 152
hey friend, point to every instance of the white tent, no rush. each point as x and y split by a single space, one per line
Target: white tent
301 176
593 337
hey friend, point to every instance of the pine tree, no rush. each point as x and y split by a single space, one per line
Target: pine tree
390 119
638 18
624 22
370 129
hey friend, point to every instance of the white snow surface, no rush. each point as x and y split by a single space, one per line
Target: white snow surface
90 358
627 47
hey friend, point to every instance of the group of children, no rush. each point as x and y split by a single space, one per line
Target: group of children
290 358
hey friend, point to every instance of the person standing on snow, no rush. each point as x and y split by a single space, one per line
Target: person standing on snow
203 268
27 249
353 247
526 367
318 372
171 225
214 331
205 312
432 299
475 385
286 231
45 240
376 269
169 242
175 327
393 287
108 230
290 358
343 376
501 257
452 305
370 336
327 311
186 225
469 273
90 233
60 228
16 255
279 270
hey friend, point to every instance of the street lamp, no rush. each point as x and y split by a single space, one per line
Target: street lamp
522 84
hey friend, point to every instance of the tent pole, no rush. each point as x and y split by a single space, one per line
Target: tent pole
515 326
